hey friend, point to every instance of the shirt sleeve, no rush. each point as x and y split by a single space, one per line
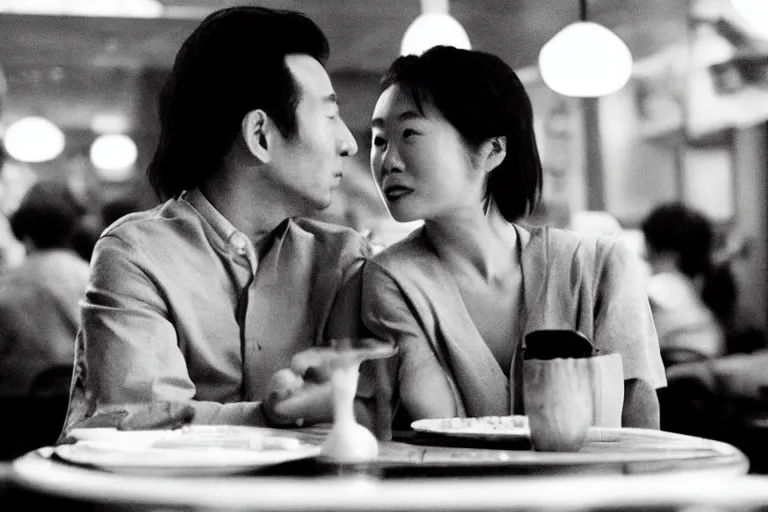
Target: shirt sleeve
127 348
623 318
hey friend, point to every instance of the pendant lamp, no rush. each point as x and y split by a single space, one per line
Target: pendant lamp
111 8
585 59
434 27
33 139
754 14
113 156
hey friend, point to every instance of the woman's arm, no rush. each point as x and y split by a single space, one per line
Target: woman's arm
415 378
624 324
641 405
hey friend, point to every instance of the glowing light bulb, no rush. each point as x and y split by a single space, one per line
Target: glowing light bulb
754 13
433 29
33 139
113 156
585 59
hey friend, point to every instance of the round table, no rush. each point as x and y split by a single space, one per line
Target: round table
616 468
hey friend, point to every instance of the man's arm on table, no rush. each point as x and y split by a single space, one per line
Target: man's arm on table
311 400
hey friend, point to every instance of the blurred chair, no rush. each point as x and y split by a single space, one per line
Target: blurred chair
724 398
53 382
35 420
671 356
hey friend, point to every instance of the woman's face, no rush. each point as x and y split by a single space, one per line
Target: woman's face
421 164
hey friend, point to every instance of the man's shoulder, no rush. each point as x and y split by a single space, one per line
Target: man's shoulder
172 215
168 230
332 236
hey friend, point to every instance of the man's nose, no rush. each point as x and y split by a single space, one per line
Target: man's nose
347 142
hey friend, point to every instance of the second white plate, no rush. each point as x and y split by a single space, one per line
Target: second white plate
495 428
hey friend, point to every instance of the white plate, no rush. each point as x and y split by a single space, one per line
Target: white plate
493 428
188 450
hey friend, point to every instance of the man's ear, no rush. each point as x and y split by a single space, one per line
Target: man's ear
256 124
493 151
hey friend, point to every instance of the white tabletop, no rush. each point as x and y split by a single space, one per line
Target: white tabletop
697 471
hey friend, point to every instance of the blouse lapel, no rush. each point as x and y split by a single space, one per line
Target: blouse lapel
483 386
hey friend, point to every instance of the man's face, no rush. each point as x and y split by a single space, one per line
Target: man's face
308 167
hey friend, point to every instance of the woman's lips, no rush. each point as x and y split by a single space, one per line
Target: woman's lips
396 192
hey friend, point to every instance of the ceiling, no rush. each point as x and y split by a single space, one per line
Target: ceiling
71 68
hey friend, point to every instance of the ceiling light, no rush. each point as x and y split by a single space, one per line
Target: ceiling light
585 59
109 123
754 14
433 27
113 156
110 8
33 139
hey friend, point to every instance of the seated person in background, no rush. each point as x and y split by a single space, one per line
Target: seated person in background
201 299
691 298
453 144
39 300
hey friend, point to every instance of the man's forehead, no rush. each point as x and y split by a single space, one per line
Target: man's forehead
310 75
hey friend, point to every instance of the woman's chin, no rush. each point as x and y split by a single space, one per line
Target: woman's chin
403 217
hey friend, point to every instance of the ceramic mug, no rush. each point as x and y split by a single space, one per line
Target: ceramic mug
607 374
558 400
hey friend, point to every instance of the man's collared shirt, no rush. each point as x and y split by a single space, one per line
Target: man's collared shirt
179 308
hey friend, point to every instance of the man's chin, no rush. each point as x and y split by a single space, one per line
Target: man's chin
317 205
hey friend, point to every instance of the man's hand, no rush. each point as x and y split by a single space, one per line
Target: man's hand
303 394
300 394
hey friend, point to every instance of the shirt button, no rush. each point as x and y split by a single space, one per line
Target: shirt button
239 245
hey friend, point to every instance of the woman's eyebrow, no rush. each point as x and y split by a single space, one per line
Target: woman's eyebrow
378 122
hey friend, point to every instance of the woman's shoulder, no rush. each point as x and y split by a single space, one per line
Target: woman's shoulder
563 243
412 250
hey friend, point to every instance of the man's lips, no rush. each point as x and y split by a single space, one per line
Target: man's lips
396 192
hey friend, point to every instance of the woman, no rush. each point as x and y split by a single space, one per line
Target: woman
453 144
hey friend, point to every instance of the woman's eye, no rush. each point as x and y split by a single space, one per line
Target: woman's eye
379 141
408 132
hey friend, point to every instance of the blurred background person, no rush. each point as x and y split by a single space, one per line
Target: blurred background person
692 299
39 313
90 226
39 318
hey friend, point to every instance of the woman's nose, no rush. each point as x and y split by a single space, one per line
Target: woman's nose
391 161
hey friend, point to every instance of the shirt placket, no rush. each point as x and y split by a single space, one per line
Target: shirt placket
249 347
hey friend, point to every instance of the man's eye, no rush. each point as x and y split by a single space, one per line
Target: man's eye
379 141
408 132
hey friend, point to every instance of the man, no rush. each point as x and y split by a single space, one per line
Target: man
201 300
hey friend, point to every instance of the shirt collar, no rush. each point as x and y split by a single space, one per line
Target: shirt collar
212 216
223 228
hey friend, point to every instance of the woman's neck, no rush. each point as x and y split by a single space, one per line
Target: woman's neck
475 244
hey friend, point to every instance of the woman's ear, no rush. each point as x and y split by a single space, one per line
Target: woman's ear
256 124
493 152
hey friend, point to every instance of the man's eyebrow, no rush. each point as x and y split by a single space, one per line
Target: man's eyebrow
331 98
378 122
